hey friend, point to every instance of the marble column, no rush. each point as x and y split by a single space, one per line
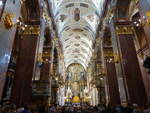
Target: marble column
118 64
47 60
22 87
45 75
132 73
114 96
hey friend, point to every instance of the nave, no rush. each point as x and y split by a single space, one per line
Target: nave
71 56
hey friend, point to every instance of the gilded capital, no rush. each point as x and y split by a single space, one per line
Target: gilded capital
31 30
124 30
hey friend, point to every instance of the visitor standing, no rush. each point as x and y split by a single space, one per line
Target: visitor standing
26 110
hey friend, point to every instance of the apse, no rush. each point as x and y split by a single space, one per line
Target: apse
76 81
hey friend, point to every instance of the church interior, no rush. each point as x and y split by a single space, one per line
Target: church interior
74 52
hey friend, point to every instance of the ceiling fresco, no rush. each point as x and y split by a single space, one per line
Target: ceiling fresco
77 22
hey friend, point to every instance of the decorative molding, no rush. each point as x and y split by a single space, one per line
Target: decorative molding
108 53
124 30
114 56
31 30
147 23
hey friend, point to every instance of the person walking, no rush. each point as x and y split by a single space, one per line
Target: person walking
26 110
128 109
147 108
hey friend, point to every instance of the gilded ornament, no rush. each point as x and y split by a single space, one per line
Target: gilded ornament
148 14
46 55
124 30
31 30
76 99
147 23
39 58
8 23
115 56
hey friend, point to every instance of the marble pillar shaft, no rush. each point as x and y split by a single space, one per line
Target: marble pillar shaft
22 88
46 66
112 83
132 73
118 65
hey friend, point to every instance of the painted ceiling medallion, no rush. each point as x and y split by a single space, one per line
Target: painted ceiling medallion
75 61
77 37
77 14
77 45
75 56
67 46
84 34
76 51
77 30
63 17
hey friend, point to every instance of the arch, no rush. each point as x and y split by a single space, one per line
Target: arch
122 8
73 65
66 2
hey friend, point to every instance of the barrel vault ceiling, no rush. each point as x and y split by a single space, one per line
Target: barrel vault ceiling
77 22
